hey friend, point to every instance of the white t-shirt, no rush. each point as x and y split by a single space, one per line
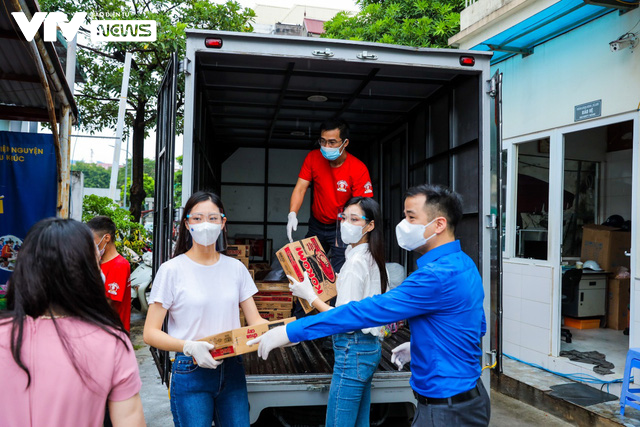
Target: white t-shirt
359 278
202 300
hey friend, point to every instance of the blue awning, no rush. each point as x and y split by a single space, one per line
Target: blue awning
545 25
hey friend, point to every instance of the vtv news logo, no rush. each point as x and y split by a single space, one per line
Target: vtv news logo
101 30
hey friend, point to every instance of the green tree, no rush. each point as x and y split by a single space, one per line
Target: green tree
94 176
149 186
177 183
420 23
103 64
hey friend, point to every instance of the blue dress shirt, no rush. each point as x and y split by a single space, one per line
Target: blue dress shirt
443 301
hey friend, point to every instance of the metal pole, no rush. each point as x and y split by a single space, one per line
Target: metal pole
71 62
126 175
119 126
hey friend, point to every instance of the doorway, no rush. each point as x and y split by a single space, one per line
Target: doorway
595 242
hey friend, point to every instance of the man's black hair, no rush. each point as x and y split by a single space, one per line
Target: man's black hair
332 124
446 202
102 225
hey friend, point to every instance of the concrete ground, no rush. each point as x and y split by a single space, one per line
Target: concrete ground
505 411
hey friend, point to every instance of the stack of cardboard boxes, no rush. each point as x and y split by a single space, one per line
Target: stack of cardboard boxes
607 246
273 300
241 253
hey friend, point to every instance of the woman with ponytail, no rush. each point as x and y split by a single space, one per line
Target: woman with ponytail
357 354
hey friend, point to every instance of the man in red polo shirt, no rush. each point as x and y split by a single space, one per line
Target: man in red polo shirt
336 176
115 267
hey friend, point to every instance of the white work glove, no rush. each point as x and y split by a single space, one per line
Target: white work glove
303 289
199 350
292 225
401 355
276 337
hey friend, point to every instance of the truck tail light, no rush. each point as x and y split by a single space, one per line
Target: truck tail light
213 43
468 61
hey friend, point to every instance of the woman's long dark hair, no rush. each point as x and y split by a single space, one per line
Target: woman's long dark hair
371 210
185 241
57 272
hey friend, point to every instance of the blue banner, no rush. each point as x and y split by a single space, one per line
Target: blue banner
28 191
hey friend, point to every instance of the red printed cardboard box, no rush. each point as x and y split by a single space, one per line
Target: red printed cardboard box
307 255
234 342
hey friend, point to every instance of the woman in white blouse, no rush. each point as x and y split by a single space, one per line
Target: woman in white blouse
357 354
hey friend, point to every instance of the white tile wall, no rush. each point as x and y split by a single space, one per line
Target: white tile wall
527 311
512 308
535 338
536 288
537 314
512 284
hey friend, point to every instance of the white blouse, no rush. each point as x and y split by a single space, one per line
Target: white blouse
359 278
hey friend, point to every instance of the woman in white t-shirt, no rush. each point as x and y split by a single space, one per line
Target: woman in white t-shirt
200 290
357 354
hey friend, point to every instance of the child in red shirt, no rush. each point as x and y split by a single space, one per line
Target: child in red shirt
115 268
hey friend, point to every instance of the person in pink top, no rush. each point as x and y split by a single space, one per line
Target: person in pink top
63 351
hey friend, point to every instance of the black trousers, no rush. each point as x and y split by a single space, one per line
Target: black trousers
474 412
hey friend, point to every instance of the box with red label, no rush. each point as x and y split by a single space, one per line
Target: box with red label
273 305
238 251
273 296
233 343
275 314
308 255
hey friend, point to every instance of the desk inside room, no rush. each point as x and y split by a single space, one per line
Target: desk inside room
584 293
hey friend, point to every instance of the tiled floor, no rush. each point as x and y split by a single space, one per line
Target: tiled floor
614 344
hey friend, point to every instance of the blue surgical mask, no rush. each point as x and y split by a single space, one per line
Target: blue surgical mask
331 153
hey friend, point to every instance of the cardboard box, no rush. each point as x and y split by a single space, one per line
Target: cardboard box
273 305
307 255
261 269
244 260
273 287
238 251
233 343
618 303
281 296
253 274
606 246
273 315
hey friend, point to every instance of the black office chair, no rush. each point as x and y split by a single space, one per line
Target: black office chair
570 290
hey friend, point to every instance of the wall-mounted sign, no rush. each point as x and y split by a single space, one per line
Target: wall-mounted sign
588 110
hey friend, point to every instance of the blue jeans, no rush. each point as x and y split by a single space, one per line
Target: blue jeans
357 356
200 396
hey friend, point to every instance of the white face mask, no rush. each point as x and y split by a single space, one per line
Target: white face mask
205 234
101 251
350 233
411 236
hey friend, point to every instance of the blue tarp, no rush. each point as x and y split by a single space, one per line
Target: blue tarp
551 22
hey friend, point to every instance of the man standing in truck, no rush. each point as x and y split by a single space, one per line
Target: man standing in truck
443 301
336 177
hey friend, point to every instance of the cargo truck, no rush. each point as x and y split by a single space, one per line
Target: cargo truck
252 107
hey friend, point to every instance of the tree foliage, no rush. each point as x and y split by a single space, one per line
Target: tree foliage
420 23
104 63
129 233
94 176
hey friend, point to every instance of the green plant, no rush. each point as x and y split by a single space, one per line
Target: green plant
131 237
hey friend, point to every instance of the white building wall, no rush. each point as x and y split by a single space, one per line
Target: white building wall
540 91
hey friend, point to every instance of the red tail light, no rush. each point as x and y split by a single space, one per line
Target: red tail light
213 43
468 61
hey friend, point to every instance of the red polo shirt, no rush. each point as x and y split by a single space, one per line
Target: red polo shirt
117 286
333 187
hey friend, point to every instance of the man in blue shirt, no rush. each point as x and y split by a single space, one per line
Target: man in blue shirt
443 300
